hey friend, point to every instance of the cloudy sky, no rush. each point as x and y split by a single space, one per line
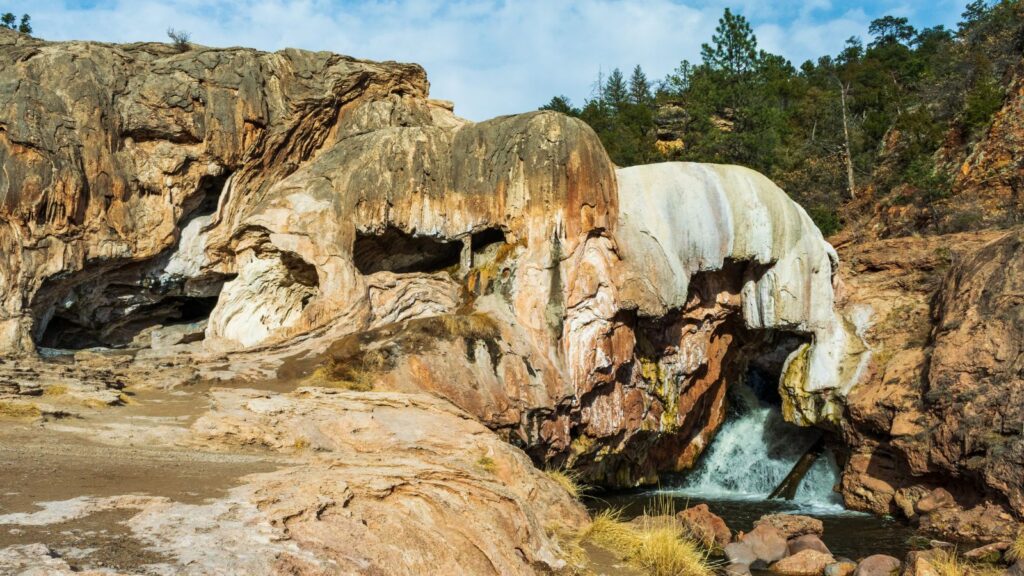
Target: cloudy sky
491 57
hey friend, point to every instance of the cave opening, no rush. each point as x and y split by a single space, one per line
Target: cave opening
207 198
167 296
396 251
121 316
486 240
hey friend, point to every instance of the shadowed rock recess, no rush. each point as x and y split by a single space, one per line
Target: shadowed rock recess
294 223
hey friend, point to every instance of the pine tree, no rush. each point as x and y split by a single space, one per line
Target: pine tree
8 20
616 94
25 27
561 104
733 47
640 88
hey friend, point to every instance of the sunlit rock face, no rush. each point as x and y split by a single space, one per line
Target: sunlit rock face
592 316
712 270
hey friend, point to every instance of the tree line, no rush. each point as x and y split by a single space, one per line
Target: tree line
10 21
883 117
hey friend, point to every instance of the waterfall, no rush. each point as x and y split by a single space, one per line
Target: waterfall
753 452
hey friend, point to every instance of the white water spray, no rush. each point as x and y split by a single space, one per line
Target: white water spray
753 452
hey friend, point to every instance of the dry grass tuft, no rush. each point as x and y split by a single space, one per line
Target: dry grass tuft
55 390
947 563
1016 550
14 409
569 480
653 547
663 553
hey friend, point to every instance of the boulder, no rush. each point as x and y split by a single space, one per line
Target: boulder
767 544
877 565
739 554
920 563
807 542
936 499
803 563
705 526
792 525
990 553
490 507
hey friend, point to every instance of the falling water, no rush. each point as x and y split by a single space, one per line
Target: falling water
753 452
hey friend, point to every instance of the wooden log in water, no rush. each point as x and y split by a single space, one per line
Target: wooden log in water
787 488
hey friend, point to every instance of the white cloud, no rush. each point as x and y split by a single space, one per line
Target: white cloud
490 56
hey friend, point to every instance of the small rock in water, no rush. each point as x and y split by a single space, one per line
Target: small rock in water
841 568
767 544
804 563
739 553
705 526
877 565
807 542
792 525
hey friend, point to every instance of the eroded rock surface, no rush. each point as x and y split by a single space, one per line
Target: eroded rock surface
936 406
305 219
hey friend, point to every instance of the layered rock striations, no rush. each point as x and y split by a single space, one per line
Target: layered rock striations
296 218
231 199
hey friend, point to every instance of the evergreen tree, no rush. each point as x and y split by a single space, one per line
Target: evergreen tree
8 20
890 30
25 27
640 88
561 104
616 94
733 47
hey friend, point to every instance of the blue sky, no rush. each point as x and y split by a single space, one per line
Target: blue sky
491 57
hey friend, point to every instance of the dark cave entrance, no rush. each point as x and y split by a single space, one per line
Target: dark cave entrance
114 324
206 201
486 240
111 306
396 251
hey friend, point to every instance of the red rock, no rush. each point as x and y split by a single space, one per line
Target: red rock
804 563
767 544
877 565
920 563
937 498
988 553
792 525
807 542
705 526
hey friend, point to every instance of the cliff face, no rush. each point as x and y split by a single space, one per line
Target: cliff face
112 154
216 201
936 286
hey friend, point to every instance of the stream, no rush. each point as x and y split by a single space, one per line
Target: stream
749 457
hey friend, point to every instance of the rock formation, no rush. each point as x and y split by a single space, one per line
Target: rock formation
420 309
224 200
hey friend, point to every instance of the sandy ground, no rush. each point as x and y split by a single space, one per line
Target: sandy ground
129 450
